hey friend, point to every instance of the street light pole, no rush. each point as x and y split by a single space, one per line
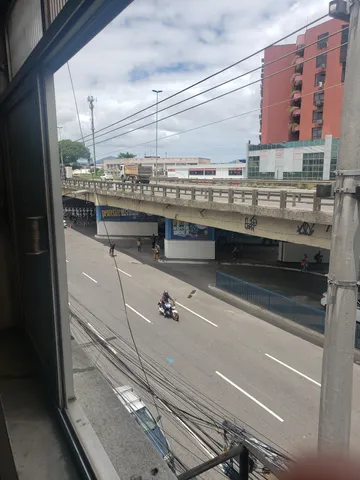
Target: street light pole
61 152
339 342
156 134
91 100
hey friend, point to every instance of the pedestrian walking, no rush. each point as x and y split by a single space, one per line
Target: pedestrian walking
304 263
153 241
138 244
111 249
156 252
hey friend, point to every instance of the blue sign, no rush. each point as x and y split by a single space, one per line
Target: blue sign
113 214
179 230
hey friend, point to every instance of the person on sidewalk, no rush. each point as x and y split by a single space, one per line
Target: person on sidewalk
111 249
304 263
236 253
138 244
318 257
156 252
153 241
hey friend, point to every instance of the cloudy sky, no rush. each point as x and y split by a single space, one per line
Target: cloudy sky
168 45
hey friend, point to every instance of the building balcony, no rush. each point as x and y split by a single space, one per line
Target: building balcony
298 78
295 112
294 127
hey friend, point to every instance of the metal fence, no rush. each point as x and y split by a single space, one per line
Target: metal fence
298 312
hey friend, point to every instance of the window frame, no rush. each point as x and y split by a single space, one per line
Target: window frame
322 40
316 113
235 172
317 81
316 137
321 60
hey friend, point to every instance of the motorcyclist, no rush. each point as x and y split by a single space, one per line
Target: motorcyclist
165 300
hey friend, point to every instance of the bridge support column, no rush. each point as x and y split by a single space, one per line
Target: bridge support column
189 241
119 222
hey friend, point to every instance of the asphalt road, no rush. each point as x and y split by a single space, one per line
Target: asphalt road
262 375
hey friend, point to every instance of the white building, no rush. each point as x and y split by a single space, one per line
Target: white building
210 171
113 165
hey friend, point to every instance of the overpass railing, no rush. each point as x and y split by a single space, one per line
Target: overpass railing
298 312
278 198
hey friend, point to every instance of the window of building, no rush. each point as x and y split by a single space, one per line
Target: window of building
194 171
318 98
344 40
321 60
316 133
343 71
235 171
317 115
322 40
320 79
210 172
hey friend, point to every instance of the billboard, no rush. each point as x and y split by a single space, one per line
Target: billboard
113 214
190 231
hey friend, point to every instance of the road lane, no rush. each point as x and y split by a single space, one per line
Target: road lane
237 347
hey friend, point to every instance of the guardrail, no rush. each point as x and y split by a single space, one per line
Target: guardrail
282 199
239 181
298 312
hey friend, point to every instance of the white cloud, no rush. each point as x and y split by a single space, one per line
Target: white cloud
168 45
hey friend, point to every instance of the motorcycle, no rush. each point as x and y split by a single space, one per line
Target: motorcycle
169 311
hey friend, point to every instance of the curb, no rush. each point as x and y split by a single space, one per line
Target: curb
274 319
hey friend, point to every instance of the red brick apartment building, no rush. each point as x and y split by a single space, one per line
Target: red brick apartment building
306 115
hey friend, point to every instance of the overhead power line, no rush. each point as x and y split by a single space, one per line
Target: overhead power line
216 98
219 85
228 118
212 75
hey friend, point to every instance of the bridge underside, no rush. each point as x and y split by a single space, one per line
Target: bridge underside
300 227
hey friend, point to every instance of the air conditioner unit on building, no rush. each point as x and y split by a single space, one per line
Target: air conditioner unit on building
323 66
320 84
319 122
318 103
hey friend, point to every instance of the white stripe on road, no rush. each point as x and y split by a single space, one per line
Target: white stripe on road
137 313
293 370
122 271
194 313
86 275
250 396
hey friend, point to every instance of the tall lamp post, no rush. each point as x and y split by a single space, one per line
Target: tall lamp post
61 152
156 134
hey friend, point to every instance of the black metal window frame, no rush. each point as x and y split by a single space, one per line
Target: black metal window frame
321 60
319 77
323 40
316 133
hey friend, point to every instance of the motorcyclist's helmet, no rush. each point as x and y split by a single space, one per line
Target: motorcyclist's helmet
166 293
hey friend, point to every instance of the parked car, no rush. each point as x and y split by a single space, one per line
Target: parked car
137 408
323 302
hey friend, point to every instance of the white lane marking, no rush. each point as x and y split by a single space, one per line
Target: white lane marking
194 313
293 370
250 396
86 275
137 313
95 331
122 271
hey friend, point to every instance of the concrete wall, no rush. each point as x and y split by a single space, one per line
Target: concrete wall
131 229
292 252
195 250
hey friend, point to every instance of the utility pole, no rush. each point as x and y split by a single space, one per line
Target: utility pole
91 101
338 356
156 134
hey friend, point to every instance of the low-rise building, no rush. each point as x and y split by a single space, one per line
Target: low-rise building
300 160
113 165
211 171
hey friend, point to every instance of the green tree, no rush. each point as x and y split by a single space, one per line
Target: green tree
126 155
72 151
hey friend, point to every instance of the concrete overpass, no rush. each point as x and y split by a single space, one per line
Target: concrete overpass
295 216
